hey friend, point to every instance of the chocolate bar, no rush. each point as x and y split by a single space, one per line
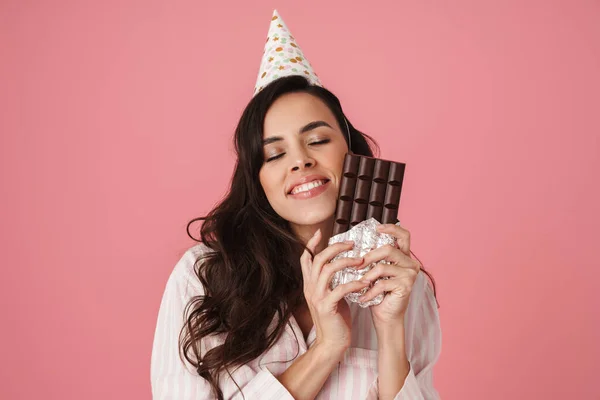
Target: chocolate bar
370 188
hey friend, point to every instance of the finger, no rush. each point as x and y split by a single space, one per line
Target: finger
329 269
381 270
306 258
340 291
326 255
388 253
402 236
314 241
398 286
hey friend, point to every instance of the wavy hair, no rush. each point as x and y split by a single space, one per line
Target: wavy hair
246 283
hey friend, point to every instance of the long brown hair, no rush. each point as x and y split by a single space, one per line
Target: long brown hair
246 283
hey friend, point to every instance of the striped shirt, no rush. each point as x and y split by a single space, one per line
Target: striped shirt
355 377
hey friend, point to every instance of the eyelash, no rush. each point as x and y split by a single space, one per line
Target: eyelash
324 141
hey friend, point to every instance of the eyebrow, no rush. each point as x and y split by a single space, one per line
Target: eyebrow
306 128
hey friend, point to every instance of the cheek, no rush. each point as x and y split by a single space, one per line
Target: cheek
338 161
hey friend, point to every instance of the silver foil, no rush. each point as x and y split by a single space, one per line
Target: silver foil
365 238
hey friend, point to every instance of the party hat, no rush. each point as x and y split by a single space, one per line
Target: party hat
282 56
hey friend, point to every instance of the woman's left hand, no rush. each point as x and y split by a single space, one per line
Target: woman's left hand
401 273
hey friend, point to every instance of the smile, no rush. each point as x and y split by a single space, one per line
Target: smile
309 189
308 186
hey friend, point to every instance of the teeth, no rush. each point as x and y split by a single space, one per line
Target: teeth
307 186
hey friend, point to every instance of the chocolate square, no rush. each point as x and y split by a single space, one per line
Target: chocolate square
370 188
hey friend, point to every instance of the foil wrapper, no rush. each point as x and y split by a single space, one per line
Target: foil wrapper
365 238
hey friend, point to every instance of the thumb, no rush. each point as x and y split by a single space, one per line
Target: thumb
314 241
306 258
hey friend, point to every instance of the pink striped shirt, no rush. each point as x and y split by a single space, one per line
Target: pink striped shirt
355 377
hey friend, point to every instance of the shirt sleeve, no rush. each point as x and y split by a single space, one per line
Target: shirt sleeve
425 350
171 379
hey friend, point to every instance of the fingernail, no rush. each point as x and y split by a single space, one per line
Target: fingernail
348 242
365 281
380 227
317 232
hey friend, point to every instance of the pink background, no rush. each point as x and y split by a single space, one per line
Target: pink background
116 123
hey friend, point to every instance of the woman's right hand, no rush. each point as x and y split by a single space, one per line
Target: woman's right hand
329 313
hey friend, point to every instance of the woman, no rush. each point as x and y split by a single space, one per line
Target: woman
248 313
259 314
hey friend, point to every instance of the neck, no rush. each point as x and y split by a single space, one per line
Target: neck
305 232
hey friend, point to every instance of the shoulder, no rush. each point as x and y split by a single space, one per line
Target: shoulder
190 258
184 274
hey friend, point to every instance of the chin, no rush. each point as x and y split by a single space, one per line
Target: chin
309 213
312 218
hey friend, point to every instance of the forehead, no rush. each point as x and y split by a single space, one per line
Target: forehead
292 111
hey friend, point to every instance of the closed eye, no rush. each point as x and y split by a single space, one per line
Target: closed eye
278 156
275 157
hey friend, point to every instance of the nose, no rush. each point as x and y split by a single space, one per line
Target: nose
302 161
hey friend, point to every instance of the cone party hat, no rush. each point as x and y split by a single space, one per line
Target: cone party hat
282 56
